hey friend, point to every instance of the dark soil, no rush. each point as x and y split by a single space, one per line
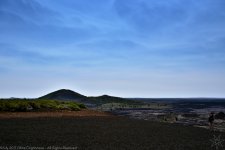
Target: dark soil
102 133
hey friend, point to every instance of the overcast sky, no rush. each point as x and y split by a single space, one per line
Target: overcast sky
128 48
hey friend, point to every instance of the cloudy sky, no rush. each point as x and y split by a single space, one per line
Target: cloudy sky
128 48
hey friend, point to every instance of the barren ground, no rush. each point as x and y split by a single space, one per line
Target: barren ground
82 113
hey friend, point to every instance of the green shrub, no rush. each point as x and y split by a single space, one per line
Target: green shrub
22 106
62 107
82 106
73 106
33 105
10 106
2 106
48 104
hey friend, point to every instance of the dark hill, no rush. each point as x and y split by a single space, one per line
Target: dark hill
64 94
111 99
69 95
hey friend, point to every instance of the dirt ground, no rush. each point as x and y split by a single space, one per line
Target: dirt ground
101 133
82 113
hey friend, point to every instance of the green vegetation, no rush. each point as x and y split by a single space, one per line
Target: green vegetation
23 105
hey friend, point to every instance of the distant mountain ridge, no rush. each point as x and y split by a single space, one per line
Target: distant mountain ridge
63 94
69 95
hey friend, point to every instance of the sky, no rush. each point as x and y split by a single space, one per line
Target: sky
127 48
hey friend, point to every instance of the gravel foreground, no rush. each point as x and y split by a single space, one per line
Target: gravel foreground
99 131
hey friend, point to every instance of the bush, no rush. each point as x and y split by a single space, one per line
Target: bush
62 107
33 105
220 115
2 106
82 106
73 106
22 106
48 104
11 106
